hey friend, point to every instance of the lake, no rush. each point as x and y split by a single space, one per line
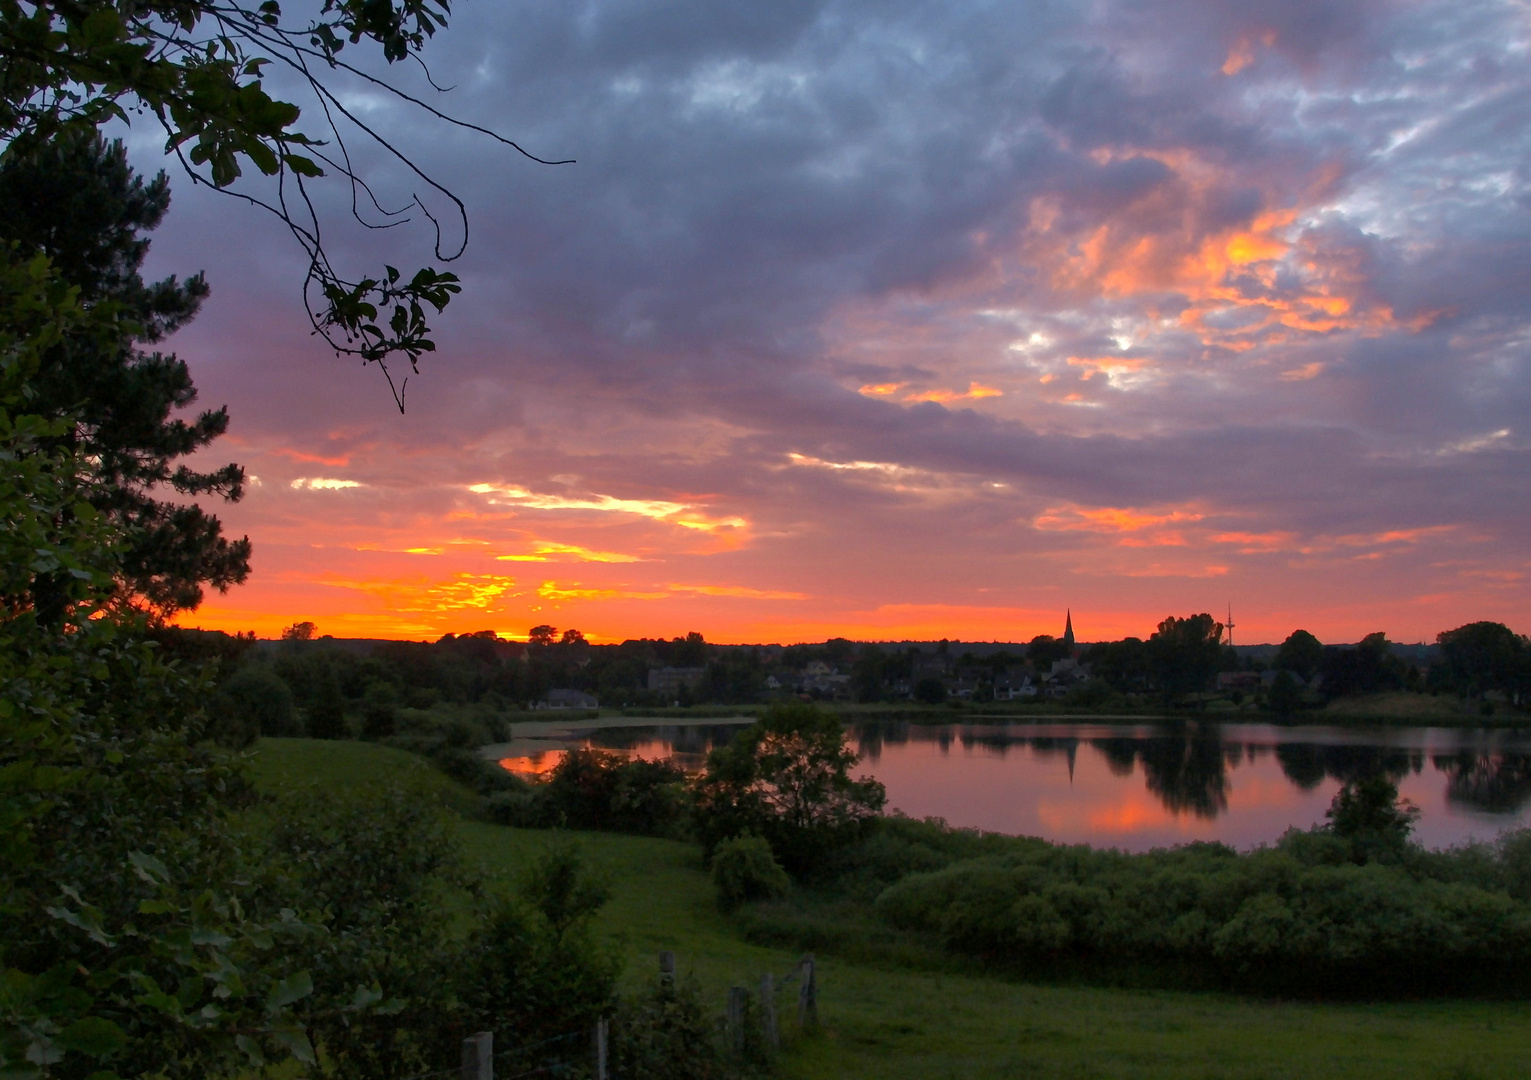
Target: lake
1145 785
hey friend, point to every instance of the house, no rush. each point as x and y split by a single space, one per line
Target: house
1064 676
1012 684
568 699
669 680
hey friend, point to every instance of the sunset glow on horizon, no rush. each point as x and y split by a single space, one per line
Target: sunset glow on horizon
914 323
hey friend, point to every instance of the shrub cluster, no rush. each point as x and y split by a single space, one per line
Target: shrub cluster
590 789
744 869
1302 917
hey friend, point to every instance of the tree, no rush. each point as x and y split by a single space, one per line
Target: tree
571 637
196 68
868 675
300 631
929 691
1123 664
115 850
786 778
1285 696
1485 656
542 635
76 201
1183 654
1369 814
1368 668
327 712
1044 650
1301 652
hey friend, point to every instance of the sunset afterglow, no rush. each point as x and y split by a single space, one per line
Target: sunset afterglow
913 324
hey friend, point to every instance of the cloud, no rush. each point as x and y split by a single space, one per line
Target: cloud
682 514
320 483
548 551
1224 285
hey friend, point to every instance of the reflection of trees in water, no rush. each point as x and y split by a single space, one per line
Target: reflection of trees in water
1495 783
1121 754
1302 763
1188 770
1350 763
689 740
1308 764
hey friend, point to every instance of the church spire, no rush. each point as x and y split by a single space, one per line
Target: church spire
1068 628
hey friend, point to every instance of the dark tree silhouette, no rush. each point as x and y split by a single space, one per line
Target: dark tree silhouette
76 201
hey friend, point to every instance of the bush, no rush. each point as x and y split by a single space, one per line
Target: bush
665 1034
1300 918
252 702
744 869
533 963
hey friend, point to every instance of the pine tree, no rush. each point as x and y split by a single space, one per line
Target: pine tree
76 200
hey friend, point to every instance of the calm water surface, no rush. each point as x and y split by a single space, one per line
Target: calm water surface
1152 785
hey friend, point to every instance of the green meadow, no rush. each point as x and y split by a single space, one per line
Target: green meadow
886 1022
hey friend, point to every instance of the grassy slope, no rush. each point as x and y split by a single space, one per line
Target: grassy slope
890 1024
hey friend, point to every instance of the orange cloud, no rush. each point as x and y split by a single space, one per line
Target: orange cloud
551 590
1240 287
1106 519
461 591
975 391
881 389
1242 54
547 550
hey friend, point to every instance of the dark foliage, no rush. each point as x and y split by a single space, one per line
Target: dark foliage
786 778
76 200
1301 652
1350 909
1481 657
744 870
253 702
1184 654
590 789
930 691
664 1033
532 964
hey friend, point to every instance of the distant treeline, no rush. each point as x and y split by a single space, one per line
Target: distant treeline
332 689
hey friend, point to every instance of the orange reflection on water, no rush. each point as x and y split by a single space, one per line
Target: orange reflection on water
535 765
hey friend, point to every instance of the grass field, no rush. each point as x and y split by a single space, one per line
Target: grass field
887 1023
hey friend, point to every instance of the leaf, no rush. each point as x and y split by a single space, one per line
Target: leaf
149 868
94 1035
296 1041
293 988
302 166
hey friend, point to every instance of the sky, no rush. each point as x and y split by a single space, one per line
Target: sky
907 320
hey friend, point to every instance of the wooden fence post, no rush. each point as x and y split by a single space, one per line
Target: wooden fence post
808 996
737 997
478 1056
667 967
768 1013
600 1049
